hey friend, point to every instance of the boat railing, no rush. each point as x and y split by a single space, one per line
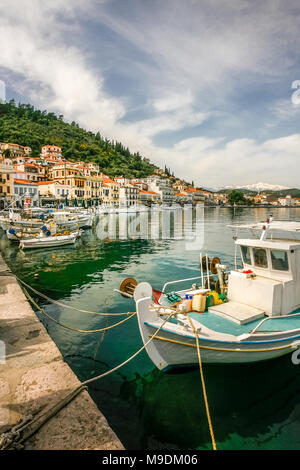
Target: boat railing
180 280
275 317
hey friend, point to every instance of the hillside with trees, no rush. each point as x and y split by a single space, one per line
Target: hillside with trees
27 126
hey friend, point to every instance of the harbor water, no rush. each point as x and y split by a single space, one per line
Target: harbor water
252 406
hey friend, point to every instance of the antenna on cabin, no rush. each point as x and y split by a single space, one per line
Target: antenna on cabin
266 228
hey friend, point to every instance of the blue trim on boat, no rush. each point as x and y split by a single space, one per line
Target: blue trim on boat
224 341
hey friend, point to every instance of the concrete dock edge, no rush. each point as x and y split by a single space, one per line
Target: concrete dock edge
34 377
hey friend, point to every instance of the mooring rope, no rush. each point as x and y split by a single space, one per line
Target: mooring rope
7 439
65 305
203 385
41 310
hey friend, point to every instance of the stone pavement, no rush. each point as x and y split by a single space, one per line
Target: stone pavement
34 377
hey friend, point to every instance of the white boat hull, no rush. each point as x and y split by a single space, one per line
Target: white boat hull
175 346
48 242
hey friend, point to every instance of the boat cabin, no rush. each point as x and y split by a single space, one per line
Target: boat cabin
269 282
270 278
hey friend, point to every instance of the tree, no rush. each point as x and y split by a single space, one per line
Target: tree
236 197
6 153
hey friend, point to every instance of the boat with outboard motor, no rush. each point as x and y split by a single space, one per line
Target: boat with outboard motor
242 315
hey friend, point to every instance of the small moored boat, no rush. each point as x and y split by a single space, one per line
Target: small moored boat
50 241
242 315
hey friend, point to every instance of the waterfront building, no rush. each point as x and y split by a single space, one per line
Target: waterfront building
148 197
220 198
62 171
25 192
93 189
76 185
111 197
182 198
195 195
160 186
129 195
286 201
6 182
52 191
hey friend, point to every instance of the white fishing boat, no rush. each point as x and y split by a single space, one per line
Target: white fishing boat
44 241
15 234
242 315
20 222
72 221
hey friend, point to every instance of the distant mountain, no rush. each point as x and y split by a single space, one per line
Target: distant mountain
257 187
264 187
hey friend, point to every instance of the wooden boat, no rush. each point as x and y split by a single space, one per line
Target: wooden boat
49 241
70 220
15 234
254 315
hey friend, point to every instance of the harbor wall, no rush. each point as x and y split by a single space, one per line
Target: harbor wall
34 377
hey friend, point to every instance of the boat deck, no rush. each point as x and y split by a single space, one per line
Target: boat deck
224 325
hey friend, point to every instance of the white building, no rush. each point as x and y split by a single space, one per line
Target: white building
286 201
53 190
146 197
51 151
129 195
25 192
160 186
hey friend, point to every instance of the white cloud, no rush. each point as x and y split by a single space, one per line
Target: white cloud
32 46
172 100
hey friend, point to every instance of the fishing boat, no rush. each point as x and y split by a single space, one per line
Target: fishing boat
21 221
15 234
240 315
50 241
72 221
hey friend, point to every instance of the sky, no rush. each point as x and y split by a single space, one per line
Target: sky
208 88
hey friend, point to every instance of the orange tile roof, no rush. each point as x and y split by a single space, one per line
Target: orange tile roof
45 182
108 180
17 181
149 192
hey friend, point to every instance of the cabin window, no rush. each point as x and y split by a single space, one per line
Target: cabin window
279 260
260 257
246 254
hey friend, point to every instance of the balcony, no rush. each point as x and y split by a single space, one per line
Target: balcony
6 168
